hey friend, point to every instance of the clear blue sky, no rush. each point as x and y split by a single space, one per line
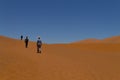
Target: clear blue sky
60 21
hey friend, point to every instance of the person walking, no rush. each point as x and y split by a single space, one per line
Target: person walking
26 41
21 37
39 45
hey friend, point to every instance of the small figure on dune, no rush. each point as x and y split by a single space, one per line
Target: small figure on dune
21 37
26 41
39 45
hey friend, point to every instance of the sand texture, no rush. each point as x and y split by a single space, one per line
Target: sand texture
76 61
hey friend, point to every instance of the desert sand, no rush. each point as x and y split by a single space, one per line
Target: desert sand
75 61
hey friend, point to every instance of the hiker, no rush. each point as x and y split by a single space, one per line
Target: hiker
39 45
21 37
26 41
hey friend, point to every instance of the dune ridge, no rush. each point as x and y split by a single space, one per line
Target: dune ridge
114 39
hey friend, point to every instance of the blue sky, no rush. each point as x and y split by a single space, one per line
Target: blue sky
60 21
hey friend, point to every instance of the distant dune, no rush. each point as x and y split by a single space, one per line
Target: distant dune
89 41
60 61
115 39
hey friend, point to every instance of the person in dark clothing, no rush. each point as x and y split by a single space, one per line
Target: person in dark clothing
39 45
21 37
26 41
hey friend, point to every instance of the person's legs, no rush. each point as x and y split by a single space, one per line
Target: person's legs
26 44
40 48
37 49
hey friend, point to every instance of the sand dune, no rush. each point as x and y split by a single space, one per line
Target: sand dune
114 39
59 61
88 41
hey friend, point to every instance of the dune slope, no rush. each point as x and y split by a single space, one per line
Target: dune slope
59 61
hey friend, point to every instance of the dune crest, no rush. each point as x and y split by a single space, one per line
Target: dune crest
114 39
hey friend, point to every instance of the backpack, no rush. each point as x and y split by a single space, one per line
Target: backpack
39 42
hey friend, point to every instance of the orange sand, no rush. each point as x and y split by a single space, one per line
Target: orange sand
93 61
